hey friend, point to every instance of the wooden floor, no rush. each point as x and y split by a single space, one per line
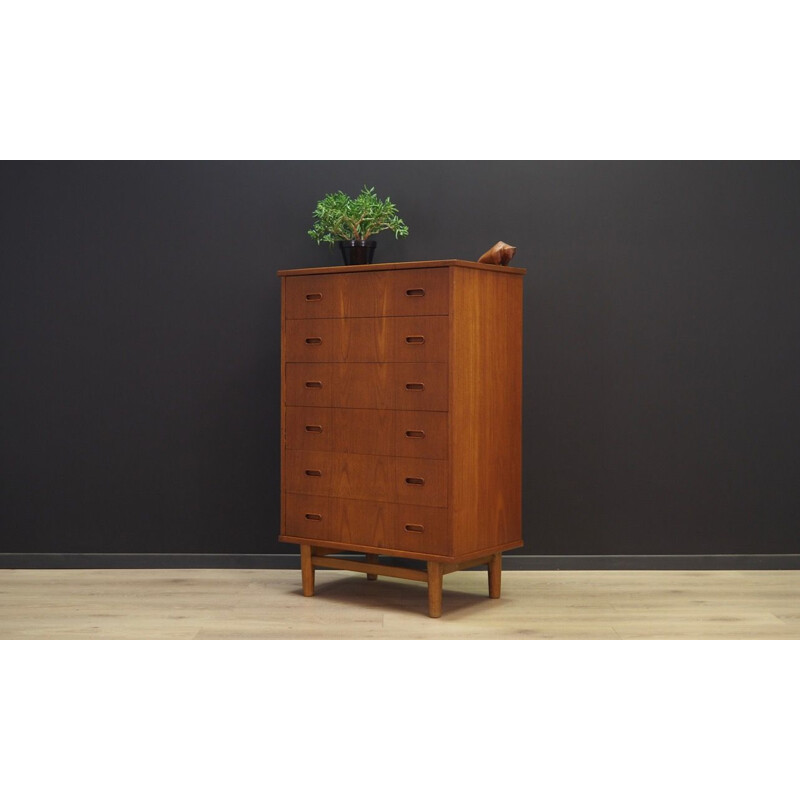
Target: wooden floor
268 604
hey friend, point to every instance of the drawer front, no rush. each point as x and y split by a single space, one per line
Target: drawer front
364 430
410 434
367 339
418 292
308 384
421 387
365 477
415 529
420 434
364 386
420 339
363 522
308 472
346 522
420 529
308 516
391 293
310 340
421 482
309 428
313 296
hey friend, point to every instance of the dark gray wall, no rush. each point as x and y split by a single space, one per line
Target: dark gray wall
139 403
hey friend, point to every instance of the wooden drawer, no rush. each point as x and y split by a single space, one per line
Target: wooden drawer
411 434
393 293
367 339
421 434
422 387
414 529
417 292
308 384
309 428
421 482
418 529
355 476
306 516
313 296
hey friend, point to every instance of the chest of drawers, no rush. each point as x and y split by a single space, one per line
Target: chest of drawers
401 418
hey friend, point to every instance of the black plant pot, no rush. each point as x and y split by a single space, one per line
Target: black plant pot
358 251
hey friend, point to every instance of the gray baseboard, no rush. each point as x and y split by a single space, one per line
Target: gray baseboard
292 561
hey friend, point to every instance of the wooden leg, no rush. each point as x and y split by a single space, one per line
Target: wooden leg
307 569
495 569
372 558
434 589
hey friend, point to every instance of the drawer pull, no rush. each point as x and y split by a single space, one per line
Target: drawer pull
314 516
313 473
415 292
415 340
314 428
415 434
416 481
414 528
314 340
313 384
313 297
415 387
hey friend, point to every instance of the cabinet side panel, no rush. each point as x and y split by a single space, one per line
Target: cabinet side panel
486 410
282 531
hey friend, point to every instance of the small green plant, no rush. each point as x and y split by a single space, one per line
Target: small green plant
340 218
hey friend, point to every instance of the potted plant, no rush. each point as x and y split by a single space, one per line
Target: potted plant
350 221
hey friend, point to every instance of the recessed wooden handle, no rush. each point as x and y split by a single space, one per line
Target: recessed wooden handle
415 387
314 340
314 428
415 340
415 292
414 528
415 434
313 384
314 516
313 297
313 473
416 481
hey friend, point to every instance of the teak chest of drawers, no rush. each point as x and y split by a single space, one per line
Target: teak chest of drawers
401 418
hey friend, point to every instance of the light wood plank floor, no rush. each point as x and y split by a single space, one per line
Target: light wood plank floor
268 604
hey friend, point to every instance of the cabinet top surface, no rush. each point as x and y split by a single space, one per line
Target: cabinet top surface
450 262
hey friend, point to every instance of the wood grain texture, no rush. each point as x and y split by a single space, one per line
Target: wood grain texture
409 434
421 387
486 410
401 265
365 430
420 434
367 293
309 428
399 528
78 604
370 339
283 404
413 481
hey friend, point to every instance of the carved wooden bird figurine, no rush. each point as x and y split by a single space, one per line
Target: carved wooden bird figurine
501 253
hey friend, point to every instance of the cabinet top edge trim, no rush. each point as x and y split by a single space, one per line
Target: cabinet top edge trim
396 265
